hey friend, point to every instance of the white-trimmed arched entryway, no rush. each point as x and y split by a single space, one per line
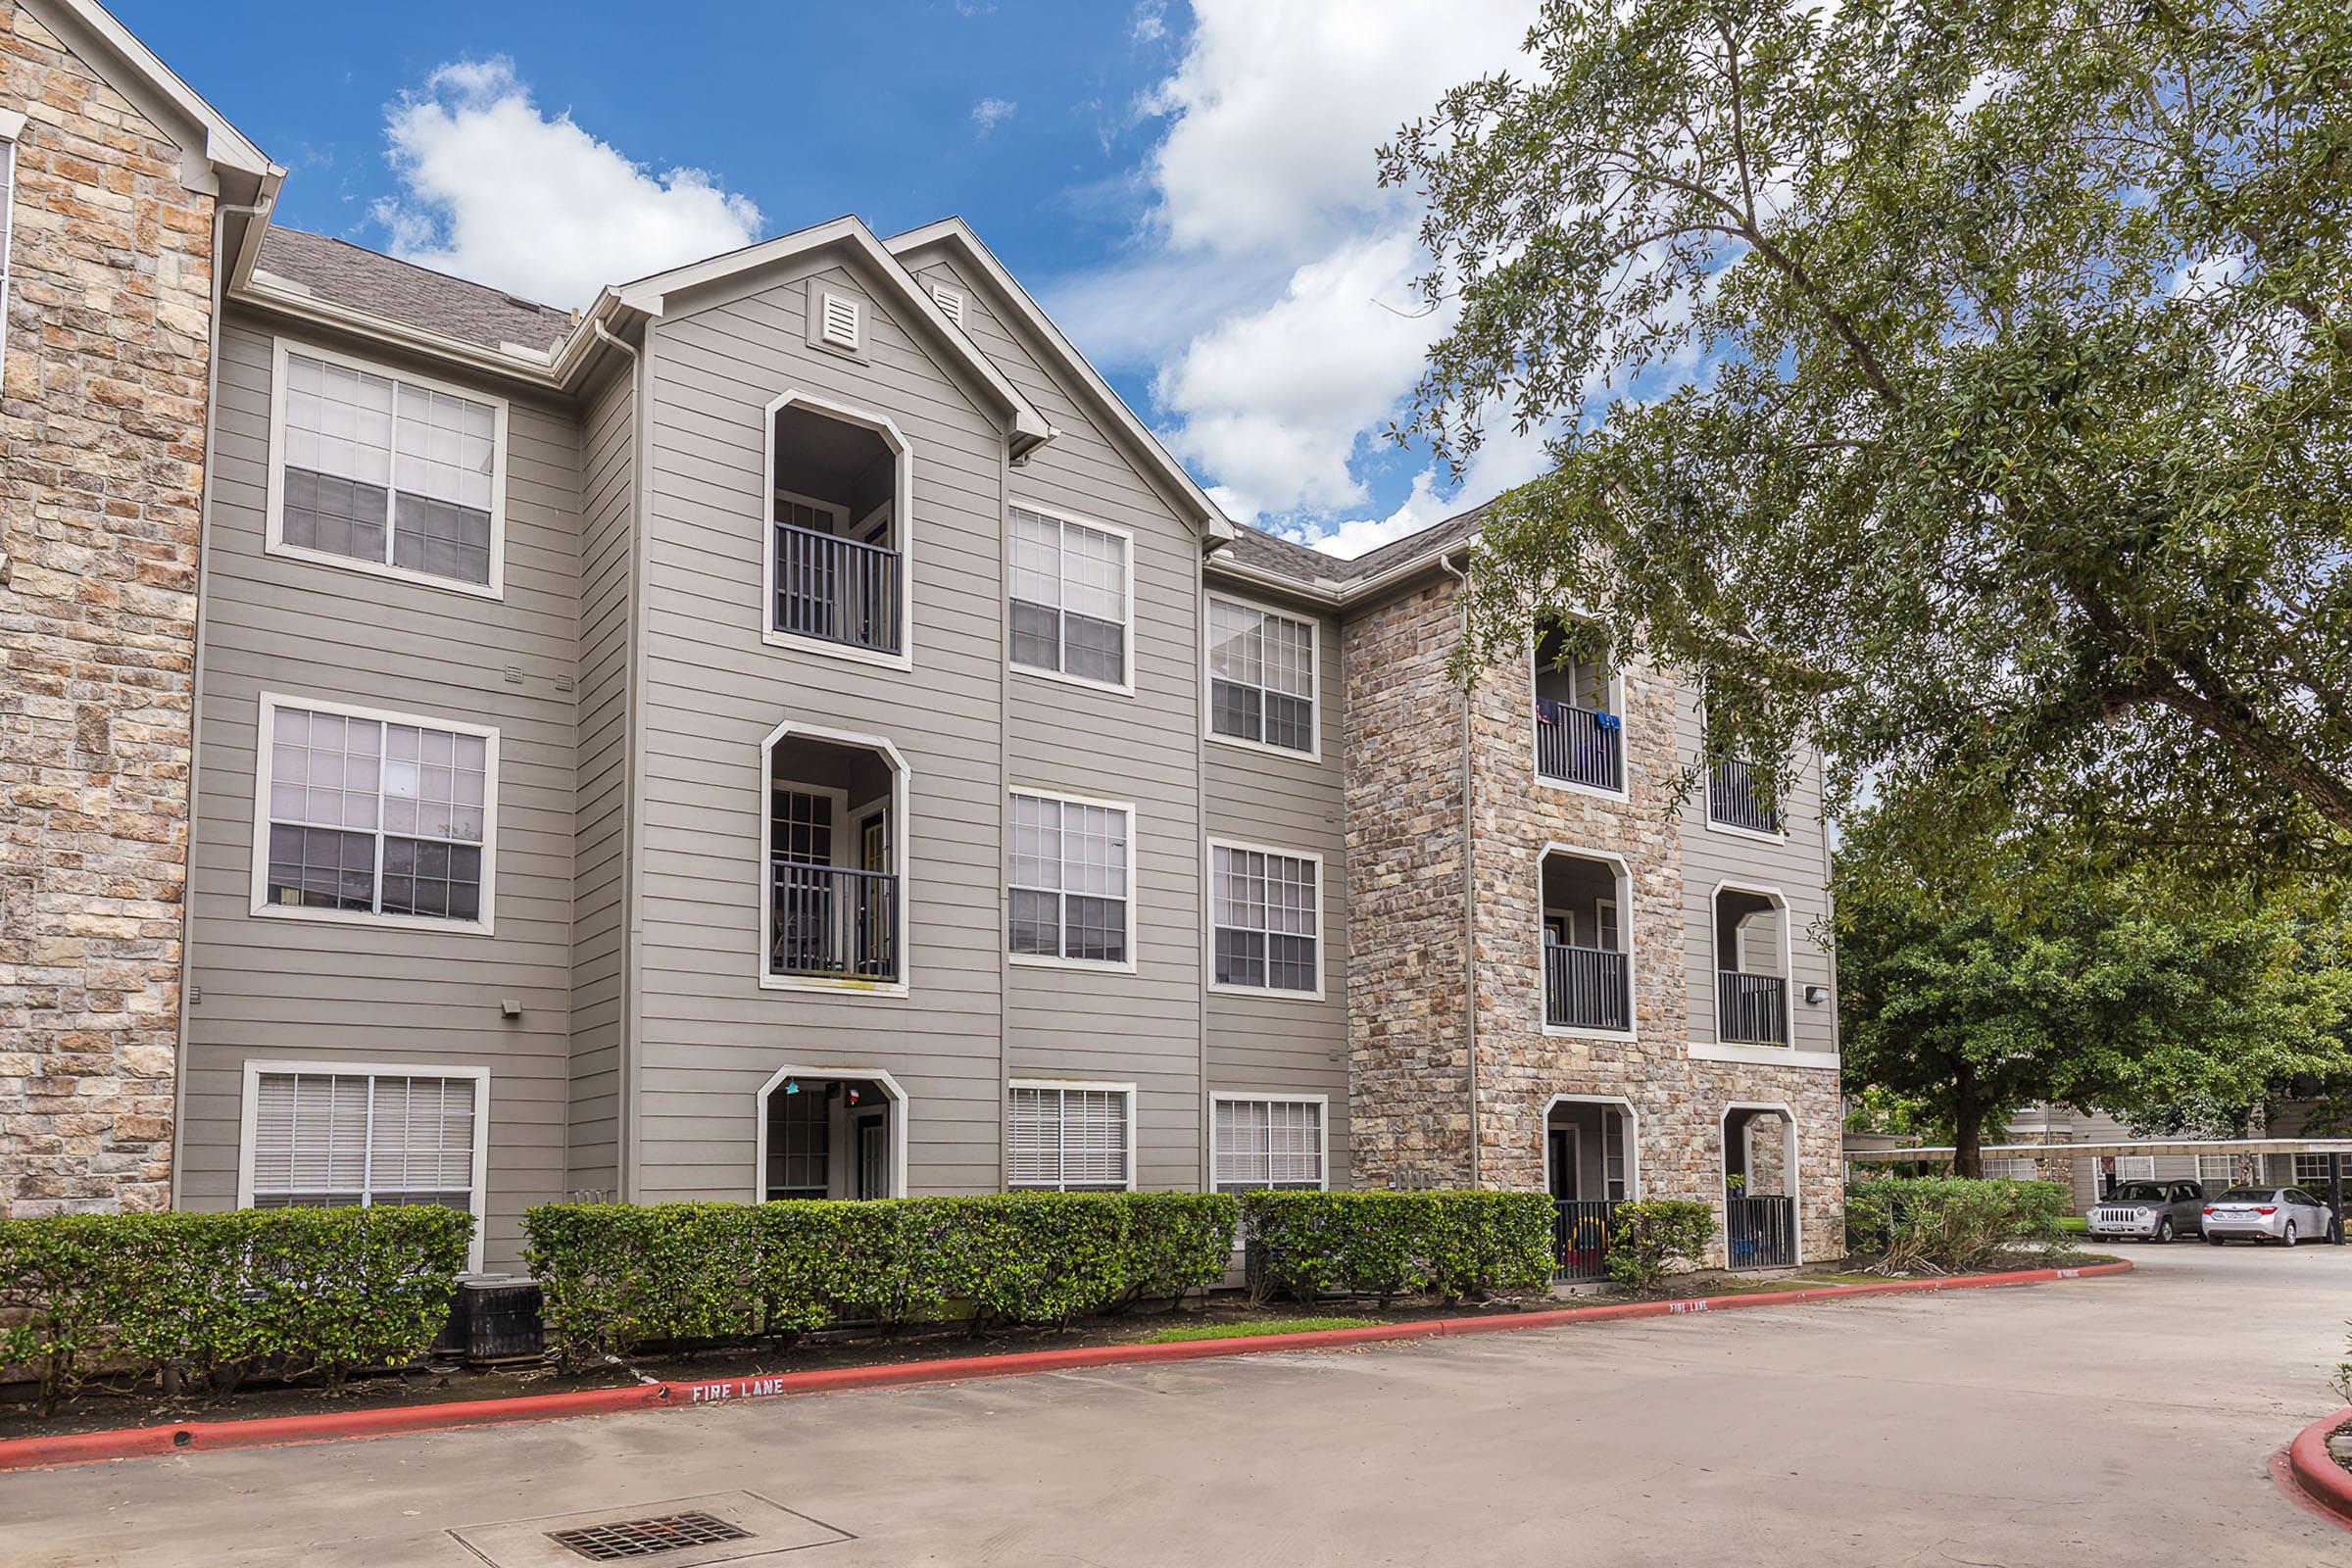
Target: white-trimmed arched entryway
813 1078
1789 1172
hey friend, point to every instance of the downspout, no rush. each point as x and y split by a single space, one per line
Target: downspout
625 1090
1469 890
259 212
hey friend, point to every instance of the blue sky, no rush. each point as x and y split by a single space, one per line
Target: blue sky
1188 189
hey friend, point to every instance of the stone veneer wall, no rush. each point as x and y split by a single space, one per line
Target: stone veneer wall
1405 876
101 425
1408 1097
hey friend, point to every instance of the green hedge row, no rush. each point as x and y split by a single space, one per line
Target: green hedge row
1949 1224
209 1298
1449 1243
616 1276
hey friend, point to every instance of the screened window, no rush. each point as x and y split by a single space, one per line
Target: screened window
1261 676
385 471
1265 918
1268 1143
1069 598
373 816
1069 892
1072 1139
340 1138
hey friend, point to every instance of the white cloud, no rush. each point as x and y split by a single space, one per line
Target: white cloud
1149 22
1504 461
989 113
495 190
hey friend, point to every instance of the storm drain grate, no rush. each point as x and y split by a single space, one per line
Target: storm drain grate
643 1538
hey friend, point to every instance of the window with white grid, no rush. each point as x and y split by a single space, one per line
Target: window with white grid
385 471
2134 1167
1264 911
1261 676
1268 1143
1068 586
2311 1171
331 1137
364 814
2009 1168
1068 897
2217 1169
1072 1140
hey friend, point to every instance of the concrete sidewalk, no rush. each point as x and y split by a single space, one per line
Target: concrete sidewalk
2109 1421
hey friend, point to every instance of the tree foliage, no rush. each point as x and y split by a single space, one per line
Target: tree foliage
1966 389
2033 973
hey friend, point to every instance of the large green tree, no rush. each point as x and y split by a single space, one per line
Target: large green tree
1964 388
1970 986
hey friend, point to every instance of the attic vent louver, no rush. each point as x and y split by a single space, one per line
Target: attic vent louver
950 301
839 325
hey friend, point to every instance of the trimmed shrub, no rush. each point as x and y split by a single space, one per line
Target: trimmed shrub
1387 1244
1655 1235
736 1272
208 1299
1949 1224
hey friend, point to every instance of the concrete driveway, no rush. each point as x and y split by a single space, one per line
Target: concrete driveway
2122 1421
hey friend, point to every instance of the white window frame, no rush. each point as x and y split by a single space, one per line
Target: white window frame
264 745
1315 678
902 863
1055 960
1623 899
248 1113
1715 1048
1209 922
1706 784
1633 1140
1125 686
1791 1151
1535 726
274 542
902 526
1072 1086
1245 1097
892 1090
12 129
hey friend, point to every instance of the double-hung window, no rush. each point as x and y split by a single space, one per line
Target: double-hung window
1265 911
1072 1138
1267 1142
327 1135
366 815
1261 677
1071 602
1070 896
386 472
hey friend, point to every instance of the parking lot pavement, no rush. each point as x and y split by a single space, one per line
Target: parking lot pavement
2114 1421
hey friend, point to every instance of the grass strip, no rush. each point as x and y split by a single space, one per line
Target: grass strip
1185 1334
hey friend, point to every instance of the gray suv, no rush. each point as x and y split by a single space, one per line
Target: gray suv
2151 1211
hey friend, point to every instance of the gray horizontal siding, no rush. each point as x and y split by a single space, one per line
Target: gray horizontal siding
286 989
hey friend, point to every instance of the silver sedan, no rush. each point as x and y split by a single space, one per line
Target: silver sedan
2283 1214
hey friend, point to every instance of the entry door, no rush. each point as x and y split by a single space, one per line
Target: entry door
1563 1162
873 1157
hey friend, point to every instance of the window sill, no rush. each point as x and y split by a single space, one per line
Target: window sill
1039 960
1266 749
848 653
834 988
1762 1055
1115 689
1714 826
360 917
1221 988
492 590
1544 781
1563 1031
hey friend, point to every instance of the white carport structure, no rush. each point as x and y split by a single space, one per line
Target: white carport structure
2251 1160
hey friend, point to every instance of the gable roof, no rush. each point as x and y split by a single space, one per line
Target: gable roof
956 234
1269 558
343 273
90 31
1027 426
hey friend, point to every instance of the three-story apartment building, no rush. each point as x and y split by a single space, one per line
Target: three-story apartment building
789 730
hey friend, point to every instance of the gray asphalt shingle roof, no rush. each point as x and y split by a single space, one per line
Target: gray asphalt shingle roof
1283 557
349 275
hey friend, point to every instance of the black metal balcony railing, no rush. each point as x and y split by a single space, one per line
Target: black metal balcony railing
1586 988
839 590
1580 1237
1732 802
1579 746
834 923
1752 1010
1759 1232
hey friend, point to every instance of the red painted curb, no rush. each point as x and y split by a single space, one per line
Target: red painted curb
2321 1480
130 1443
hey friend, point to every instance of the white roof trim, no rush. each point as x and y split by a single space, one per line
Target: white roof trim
224 146
1029 426
1210 515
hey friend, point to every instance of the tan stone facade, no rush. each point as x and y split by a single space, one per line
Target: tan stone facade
102 421
1405 740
